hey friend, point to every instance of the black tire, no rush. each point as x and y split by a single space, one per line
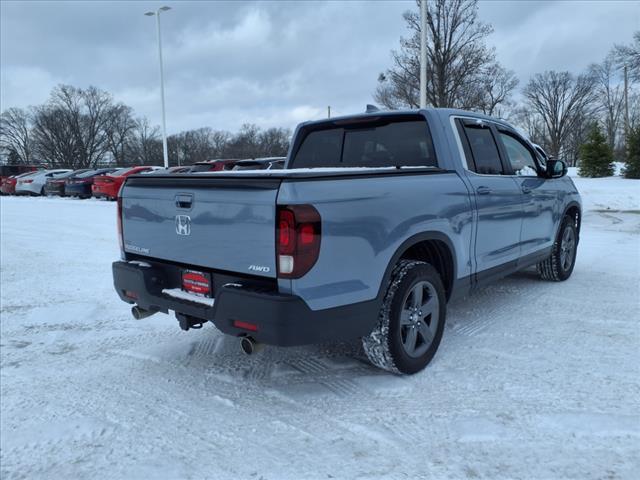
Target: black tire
386 346
559 266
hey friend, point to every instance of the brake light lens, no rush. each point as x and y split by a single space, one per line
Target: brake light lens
252 327
299 231
26 181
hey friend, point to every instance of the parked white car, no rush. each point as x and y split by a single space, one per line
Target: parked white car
34 184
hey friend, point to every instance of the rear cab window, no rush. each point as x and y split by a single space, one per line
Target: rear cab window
385 141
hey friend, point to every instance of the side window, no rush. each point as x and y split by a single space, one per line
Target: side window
519 156
484 150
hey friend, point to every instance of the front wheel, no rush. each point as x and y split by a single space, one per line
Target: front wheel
411 320
559 266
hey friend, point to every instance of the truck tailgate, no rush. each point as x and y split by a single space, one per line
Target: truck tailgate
225 223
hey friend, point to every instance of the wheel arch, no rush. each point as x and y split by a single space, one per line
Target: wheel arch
574 210
433 247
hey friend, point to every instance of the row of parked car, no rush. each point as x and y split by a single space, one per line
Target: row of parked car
106 182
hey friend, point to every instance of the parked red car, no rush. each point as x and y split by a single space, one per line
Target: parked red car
108 186
7 171
8 185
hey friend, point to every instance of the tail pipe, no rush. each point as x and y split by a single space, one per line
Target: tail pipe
139 313
249 345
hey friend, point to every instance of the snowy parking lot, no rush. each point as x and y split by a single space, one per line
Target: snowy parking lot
532 380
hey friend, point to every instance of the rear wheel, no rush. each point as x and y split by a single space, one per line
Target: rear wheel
559 266
411 320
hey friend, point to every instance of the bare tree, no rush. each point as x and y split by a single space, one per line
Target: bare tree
496 85
629 55
245 143
274 142
561 100
146 145
610 96
532 124
577 136
460 68
72 127
219 141
53 138
120 132
15 134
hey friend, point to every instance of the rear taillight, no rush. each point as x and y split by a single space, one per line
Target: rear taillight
298 240
119 220
26 181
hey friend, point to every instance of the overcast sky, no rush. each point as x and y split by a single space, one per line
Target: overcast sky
269 63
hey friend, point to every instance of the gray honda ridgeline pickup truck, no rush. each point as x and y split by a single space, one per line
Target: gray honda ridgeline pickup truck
375 223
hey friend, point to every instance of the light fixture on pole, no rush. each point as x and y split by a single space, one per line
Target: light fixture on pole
423 53
164 122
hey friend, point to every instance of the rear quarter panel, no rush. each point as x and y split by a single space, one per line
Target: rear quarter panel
366 220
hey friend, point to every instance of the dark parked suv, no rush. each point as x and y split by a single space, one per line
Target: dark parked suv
80 185
56 186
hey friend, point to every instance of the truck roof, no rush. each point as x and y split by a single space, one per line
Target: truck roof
441 112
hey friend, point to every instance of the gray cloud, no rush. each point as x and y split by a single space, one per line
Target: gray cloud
270 63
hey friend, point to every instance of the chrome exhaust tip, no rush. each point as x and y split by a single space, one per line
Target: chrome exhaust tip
139 313
249 346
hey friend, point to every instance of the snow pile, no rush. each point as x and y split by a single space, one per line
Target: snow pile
532 380
609 193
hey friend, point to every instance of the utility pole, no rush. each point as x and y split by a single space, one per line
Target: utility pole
165 153
626 105
423 53
328 111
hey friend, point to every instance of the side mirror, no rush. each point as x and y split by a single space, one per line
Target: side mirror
556 168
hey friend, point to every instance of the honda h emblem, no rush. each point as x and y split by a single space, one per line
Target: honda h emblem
183 224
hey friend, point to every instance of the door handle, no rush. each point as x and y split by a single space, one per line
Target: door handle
483 190
526 189
184 201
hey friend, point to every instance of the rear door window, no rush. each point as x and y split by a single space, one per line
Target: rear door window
383 142
484 150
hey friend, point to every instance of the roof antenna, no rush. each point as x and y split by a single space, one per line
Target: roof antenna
371 108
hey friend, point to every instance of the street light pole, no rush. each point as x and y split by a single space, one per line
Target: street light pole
423 53
626 105
165 152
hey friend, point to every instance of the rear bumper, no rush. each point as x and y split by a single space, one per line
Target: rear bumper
284 320
102 194
105 190
49 190
28 190
80 190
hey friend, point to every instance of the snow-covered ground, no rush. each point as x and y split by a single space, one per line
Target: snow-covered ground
532 380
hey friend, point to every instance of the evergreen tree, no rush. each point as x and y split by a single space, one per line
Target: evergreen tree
632 167
596 156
